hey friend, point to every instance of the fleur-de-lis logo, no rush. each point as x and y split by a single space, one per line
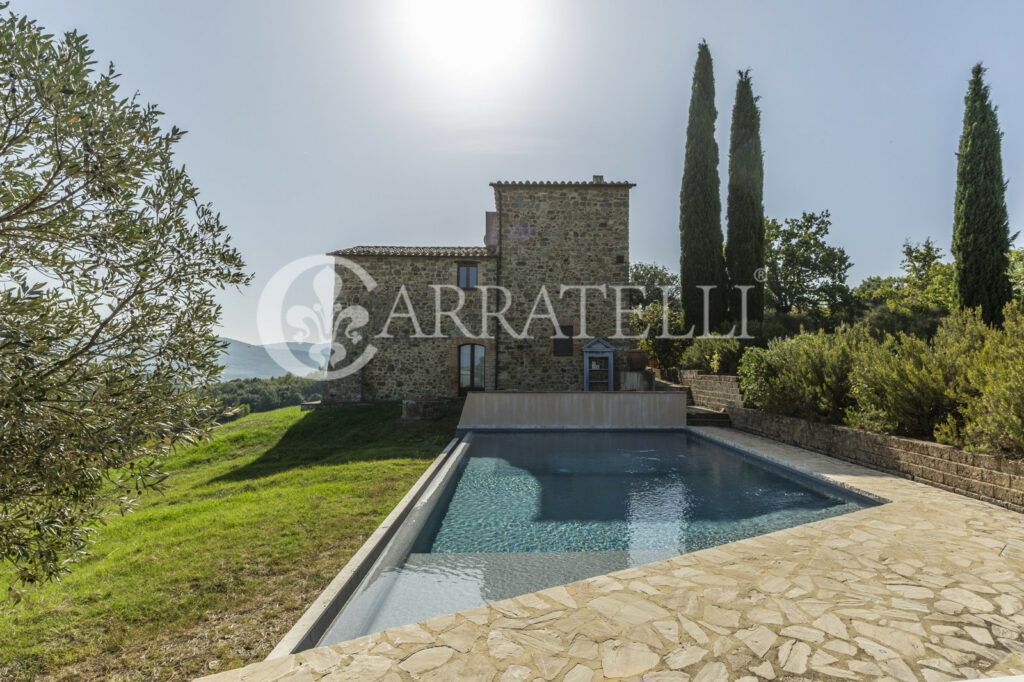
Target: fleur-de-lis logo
318 322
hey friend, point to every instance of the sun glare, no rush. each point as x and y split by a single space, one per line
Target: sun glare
464 44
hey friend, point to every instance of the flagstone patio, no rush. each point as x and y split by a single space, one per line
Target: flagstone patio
927 587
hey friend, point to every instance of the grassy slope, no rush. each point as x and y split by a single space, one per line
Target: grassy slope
252 526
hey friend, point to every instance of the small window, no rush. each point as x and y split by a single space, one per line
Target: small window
563 347
467 275
471 368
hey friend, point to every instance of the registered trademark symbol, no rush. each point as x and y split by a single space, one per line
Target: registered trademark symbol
760 275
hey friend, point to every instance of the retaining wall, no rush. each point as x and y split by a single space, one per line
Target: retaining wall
712 390
998 480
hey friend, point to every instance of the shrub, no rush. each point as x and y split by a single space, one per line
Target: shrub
910 386
756 377
964 386
778 324
807 376
897 389
994 412
884 319
717 356
664 351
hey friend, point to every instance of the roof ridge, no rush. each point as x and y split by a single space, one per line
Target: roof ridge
435 251
563 183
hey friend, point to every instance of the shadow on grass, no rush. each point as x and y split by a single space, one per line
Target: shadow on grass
355 433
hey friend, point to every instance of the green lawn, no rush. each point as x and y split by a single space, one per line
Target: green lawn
210 574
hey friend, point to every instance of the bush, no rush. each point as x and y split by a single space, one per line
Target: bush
781 325
756 377
923 323
897 389
663 351
807 376
993 413
777 325
963 386
910 386
717 356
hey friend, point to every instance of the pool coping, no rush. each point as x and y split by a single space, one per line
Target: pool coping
314 622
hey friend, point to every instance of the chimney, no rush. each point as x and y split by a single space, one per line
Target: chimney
598 179
491 229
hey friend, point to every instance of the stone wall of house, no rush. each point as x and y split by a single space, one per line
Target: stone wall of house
405 366
541 235
985 477
714 391
552 234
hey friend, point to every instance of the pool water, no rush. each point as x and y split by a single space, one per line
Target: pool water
533 510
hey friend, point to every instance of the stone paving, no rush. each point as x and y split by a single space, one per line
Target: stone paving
927 587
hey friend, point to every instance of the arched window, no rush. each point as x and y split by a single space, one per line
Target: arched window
471 368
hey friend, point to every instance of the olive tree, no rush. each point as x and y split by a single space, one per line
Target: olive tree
108 266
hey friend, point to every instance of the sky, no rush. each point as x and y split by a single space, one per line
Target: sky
317 125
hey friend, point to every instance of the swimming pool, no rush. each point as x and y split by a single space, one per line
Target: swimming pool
520 511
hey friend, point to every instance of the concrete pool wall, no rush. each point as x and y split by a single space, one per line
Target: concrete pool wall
574 410
309 629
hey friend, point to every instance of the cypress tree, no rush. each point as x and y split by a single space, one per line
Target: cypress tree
701 261
744 248
981 232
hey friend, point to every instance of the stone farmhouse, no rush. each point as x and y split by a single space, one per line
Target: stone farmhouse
546 234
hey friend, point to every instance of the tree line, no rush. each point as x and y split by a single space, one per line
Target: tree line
770 256
242 396
797 280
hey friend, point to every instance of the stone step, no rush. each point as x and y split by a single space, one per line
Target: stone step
662 385
696 416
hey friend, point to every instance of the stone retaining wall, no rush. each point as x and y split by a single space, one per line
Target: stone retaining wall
712 390
985 477
426 409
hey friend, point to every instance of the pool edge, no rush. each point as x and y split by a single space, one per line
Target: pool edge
314 622
702 432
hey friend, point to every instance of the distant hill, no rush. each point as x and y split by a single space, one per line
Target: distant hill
244 360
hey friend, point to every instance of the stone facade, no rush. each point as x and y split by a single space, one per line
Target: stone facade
998 480
405 366
553 235
541 234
